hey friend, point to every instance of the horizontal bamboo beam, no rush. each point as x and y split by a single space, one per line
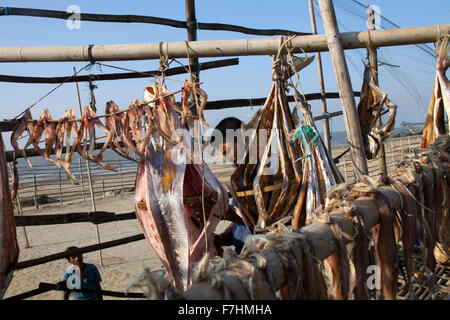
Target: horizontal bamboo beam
29 12
236 103
65 254
220 48
120 76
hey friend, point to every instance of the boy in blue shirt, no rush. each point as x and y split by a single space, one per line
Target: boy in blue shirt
81 275
236 233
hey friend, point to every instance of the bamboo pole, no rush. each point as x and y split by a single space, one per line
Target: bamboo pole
326 124
345 87
220 48
82 180
36 204
119 76
29 12
91 189
19 209
60 187
373 57
120 174
191 23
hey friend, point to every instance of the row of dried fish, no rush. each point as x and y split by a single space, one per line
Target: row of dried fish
125 131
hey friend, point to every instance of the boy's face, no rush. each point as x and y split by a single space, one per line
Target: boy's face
229 152
76 260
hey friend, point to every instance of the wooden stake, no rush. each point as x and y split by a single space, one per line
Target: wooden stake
36 204
19 209
60 188
345 87
82 180
120 174
326 124
91 189
374 65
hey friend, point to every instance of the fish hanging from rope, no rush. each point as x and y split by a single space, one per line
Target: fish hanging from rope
178 200
440 98
320 172
9 248
370 108
267 180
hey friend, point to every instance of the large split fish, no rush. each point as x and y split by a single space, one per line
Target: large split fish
177 221
9 249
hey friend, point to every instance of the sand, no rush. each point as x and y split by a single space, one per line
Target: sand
121 264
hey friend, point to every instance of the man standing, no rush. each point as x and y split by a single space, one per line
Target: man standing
81 275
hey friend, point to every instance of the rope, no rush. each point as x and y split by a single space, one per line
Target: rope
51 91
4 11
92 87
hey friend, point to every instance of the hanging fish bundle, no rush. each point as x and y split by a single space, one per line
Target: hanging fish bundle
370 108
267 180
319 169
440 98
9 248
178 200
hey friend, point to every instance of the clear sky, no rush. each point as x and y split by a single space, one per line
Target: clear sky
250 79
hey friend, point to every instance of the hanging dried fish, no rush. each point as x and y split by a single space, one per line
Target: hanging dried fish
267 187
440 99
9 249
320 171
370 108
171 172
64 129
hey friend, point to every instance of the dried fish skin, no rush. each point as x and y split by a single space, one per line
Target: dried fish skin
9 248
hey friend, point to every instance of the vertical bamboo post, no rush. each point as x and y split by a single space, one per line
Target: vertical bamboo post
60 187
19 209
36 204
191 23
373 57
89 176
326 121
82 180
345 87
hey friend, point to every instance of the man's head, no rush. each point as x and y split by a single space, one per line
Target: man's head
75 259
228 148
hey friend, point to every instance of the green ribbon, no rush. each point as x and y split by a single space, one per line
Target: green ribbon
306 135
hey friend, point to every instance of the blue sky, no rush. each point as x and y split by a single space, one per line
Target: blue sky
251 78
